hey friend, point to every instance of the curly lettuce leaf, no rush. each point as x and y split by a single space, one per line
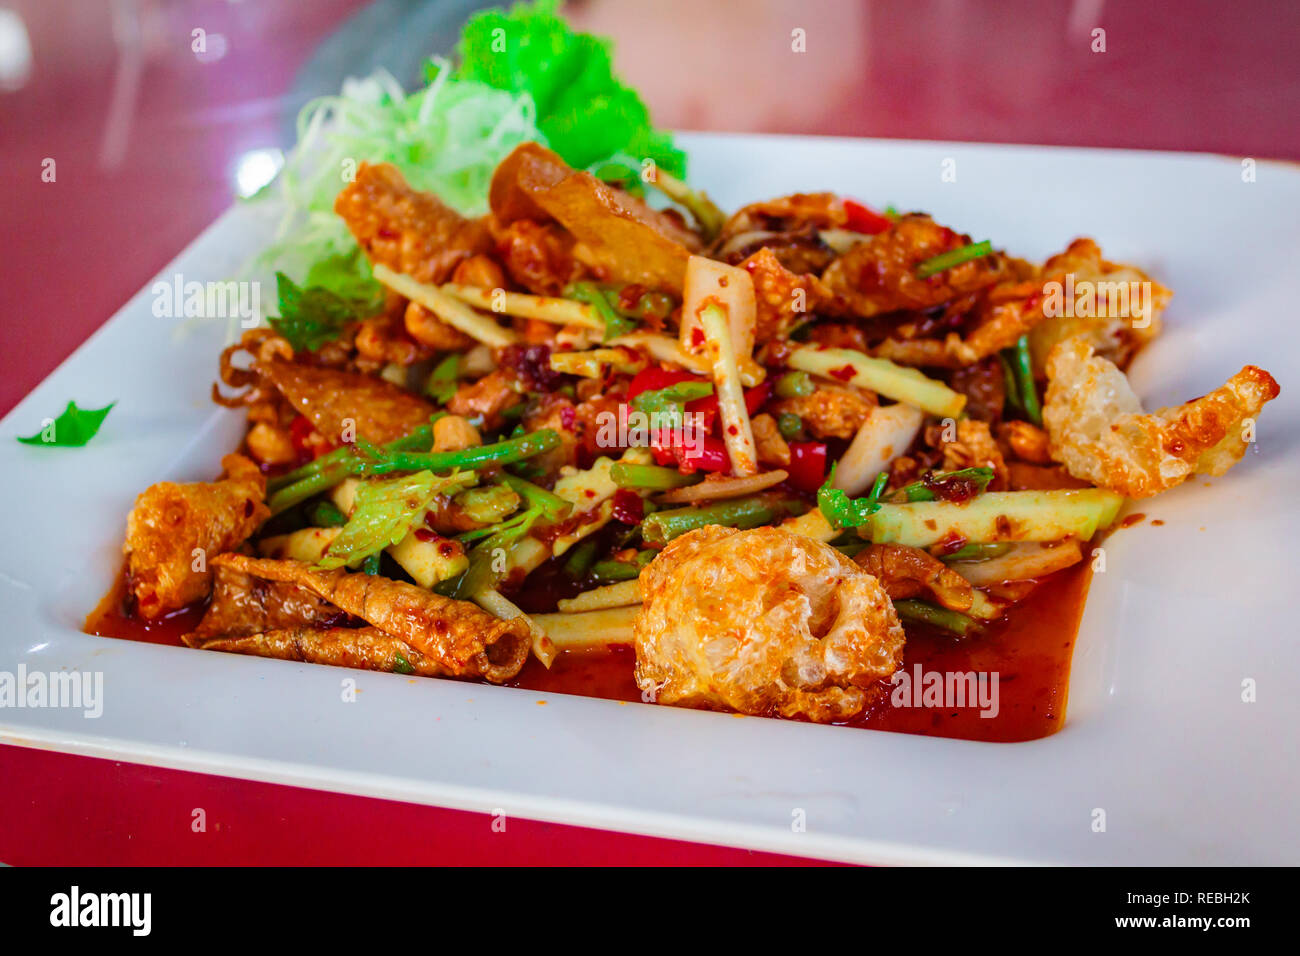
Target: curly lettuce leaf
385 512
585 111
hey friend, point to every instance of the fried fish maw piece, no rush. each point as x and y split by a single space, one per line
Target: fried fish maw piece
332 399
618 236
174 530
363 648
455 635
243 604
1096 426
407 230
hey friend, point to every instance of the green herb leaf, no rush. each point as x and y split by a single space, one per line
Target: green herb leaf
841 511
311 316
72 429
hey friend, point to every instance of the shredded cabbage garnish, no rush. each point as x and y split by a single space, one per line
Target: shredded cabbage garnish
446 139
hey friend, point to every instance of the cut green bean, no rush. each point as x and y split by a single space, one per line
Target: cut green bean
941 617
1025 376
609 572
627 475
421 437
581 559
324 514
310 486
588 292
479 456
789 425
554 508
794 385
979 552
662 526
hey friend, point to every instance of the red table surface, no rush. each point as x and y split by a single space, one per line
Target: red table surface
135 184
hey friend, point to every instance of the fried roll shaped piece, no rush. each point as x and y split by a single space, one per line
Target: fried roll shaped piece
363 648
456 635
174 530
243 604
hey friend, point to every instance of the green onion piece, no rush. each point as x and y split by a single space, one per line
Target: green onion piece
794 385
662 526
1025 375
441 383
581 559
370 565
615 324
553 507
940 617
626 475
309 487
1010 385
789 425
978 552
643 558
479 456
608 572
401 665
919 491
956 257
324 514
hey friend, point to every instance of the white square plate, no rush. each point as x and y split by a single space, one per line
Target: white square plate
1158 735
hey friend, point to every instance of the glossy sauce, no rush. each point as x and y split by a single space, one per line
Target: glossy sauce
1029 651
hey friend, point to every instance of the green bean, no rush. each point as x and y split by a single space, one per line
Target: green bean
607 572
789 425
941 617
615 324
627 475
581 559
794 385
310 486
949 260
979 552
1025 375
479 456
422 437
554 508
662 526
325 515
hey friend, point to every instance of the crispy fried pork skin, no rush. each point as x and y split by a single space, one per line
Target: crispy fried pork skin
618 237
455 635
174 531
763 622
378 411
243 604
1097 429
407 230
905 572
830 411
788 227
1101 309
879 274
782 299
364 648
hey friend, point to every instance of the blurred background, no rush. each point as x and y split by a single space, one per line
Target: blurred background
151 140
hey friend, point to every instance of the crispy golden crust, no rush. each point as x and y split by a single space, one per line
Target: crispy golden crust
1098 430
763 622
974 447
785 213
831 411
378 411
243 604
618 237
782 298
456 635
174 531
364 648
879 274
905 572
406 230
1100 309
